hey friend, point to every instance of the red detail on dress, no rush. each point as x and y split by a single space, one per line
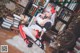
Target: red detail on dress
23 35
37 35
53 10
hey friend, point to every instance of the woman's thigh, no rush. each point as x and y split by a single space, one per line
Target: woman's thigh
33 32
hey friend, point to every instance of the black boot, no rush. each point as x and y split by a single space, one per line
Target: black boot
30 44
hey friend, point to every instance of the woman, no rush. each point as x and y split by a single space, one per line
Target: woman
42 24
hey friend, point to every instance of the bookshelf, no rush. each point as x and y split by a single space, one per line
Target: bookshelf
22 3
37 7
65 10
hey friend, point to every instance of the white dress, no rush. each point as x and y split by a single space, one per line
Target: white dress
35 26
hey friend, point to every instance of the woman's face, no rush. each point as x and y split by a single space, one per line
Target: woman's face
42 15
48 14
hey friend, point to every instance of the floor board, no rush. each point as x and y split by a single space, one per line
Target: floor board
7 34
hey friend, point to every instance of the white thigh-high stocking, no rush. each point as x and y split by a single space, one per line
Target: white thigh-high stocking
28 32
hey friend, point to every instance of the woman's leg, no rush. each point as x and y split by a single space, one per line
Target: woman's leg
29 33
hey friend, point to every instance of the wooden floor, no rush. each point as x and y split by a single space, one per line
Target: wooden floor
7 34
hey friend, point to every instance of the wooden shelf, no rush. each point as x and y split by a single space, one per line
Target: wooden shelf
22 3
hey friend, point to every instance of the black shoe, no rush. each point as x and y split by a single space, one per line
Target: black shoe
39 44
42 47
30 44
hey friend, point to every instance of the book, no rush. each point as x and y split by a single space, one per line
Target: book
72 5
15 26
31 9
33 12
66 18
9 20
16 23
5 26
67 3
62 14
16 16
58 25
62 27
16 19
58 8
59 12
6 23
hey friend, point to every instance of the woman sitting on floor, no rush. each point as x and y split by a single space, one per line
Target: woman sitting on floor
43 23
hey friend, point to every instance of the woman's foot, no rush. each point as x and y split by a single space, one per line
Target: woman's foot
30 44
39 44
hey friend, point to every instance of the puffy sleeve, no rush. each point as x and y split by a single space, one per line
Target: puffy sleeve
39 19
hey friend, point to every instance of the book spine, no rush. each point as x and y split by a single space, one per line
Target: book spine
58 8
30 11
15 26
16 19
5 26
62 27
7 23
34 11
16 16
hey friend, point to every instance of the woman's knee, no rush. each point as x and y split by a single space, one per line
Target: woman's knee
25 28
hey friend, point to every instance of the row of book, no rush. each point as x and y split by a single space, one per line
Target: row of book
37 5
71 4
33 10
63 13
60 26
8 22
65 2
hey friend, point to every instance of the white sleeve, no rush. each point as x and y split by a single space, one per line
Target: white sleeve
44 29
39 20
53 18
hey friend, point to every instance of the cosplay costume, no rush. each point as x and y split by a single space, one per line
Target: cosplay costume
37 28
26 31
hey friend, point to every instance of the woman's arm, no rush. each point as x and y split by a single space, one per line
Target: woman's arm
42 32
47 26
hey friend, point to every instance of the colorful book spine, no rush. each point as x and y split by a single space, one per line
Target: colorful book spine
31 10
34 11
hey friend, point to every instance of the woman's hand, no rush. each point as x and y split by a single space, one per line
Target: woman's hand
43 22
